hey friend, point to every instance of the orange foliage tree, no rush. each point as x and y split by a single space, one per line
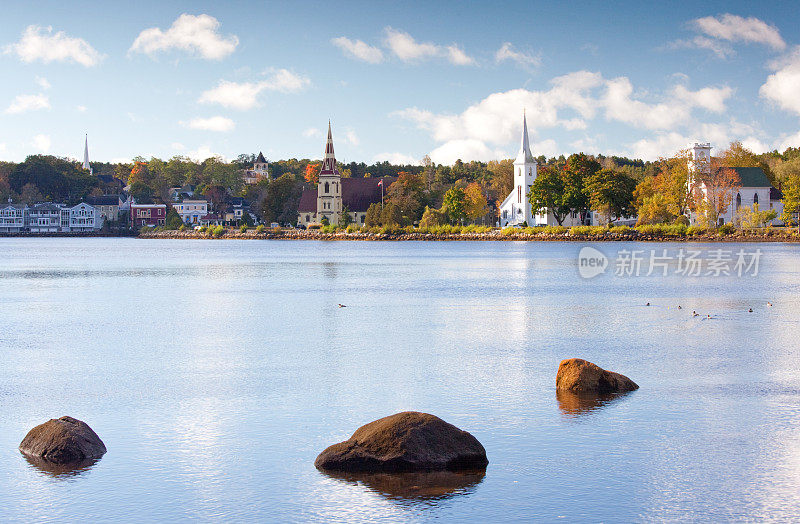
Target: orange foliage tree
312 173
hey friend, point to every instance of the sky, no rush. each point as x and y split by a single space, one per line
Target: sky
397 80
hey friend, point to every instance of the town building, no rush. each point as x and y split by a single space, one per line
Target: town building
755 188
107 206
150 215
259 172
12 217
181 193
334 195
516 208
84 218
191 211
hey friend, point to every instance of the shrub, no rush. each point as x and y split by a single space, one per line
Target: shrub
554 230
352 228
260 229
314 226
182 228
510 231
203 229
243 228
218 231
580 230
620 230
682 220
726 229
694 231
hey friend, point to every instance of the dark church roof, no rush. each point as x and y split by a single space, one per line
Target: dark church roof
357 194
261 159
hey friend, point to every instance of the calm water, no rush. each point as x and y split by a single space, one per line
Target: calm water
216 371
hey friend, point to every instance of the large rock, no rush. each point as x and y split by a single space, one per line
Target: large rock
63 441
581 376
408 441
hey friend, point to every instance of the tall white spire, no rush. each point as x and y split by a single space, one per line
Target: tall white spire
525 156
86 164
329 161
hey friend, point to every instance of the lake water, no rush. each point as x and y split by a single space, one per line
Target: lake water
216 371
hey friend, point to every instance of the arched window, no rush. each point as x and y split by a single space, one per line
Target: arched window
755 198
738 200
327 188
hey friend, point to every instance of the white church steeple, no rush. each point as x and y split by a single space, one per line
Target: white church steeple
525 154
86 164
524 175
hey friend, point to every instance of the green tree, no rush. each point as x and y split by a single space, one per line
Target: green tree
610 193
346 218
373 217
475 205
453 204
58 179
30 194
547 193
791 200
173 220
432 218
391 215
406 193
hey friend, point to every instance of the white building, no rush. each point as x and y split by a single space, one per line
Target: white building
84 218
516 209
755 189
259 172
12 217
191 211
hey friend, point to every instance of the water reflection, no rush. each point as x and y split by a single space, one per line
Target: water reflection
574 405
60 471
414 486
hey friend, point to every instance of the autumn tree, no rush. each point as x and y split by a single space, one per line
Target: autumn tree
30 194
791 200
475 205
713 192
664 197
739 156
453 204
406 193
502 178
312 173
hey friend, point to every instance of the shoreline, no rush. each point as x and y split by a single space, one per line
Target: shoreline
493 236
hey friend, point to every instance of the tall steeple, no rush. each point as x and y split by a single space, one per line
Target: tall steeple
329 161
525 156
86 164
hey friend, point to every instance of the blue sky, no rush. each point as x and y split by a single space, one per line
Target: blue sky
397 80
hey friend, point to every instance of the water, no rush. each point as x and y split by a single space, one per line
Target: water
216 371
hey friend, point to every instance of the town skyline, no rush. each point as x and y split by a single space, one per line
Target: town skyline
201 80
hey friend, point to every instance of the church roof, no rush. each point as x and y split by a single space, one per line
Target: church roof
357 194
525 156
752 177
261 159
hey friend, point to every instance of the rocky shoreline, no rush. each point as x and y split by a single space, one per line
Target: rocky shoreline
737 236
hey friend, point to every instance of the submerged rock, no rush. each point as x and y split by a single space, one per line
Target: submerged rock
581 376
63 441
408 441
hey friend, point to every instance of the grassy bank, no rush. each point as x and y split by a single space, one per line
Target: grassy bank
646 233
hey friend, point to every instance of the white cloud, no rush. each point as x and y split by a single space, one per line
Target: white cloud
41 44
43 83
733 28
81 109
312 132
351 138
358 50
41 143
194 34
720 135
524 60
788 141
398 159
457 56
177 146
783 86
214 123
25 103
203 153
244 95
465 149
717 33
407 49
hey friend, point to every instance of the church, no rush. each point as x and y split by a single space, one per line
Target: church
516 209
335 195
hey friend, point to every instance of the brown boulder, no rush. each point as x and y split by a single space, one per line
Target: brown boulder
63 441
581 376
408 441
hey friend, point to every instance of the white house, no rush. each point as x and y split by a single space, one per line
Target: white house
516 209
259 172
12 217
84 218
191 211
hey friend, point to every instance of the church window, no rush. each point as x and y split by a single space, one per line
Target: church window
519 194
738 201
755 198
327 188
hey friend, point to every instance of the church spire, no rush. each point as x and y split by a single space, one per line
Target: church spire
86 164
329 162
525 156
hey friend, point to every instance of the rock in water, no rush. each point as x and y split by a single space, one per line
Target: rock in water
580 376
408 441
62 441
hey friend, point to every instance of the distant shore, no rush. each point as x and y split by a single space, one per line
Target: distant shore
767 235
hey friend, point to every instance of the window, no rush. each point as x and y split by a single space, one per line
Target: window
755 198
738 201
519 194
327 187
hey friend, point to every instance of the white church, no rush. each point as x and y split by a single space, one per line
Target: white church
516 209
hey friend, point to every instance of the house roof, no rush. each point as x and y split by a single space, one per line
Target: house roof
752 177
357 194
261 159
105 200
775 194
110 179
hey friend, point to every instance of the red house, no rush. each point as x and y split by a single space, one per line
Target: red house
148 214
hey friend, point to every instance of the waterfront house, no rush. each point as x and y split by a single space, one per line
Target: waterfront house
181 193
12 217
47 217
259 172
107 206
191 211
334 194
148 215
84 218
